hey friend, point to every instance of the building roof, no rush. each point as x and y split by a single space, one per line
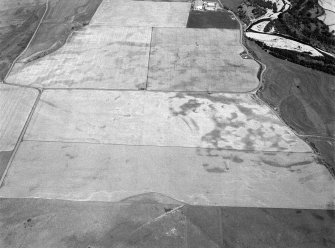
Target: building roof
198 3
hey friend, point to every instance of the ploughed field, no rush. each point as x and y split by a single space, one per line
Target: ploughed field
208 19
133 127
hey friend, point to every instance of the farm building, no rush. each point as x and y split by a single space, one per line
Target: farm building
211 6
198 5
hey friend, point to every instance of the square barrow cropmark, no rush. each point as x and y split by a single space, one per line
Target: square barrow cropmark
200 60
98 56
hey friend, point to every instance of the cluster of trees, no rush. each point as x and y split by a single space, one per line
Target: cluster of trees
268 27
305 8
259 3
256 7
309 30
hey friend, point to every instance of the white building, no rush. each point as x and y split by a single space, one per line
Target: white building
198 5
205 5
211 6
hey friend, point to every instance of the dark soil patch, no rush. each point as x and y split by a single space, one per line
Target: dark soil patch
211 19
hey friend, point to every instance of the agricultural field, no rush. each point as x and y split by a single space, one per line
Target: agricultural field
195 60
60 19
97 56
142 13
131 123
212 19
149 223
163 119
103 172
15 106
200 60
18 22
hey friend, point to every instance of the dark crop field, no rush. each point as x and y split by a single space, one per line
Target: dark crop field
210 19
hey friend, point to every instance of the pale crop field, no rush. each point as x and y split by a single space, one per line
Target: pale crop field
15 106
200 60
97 56
100 172
123 13
229 121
